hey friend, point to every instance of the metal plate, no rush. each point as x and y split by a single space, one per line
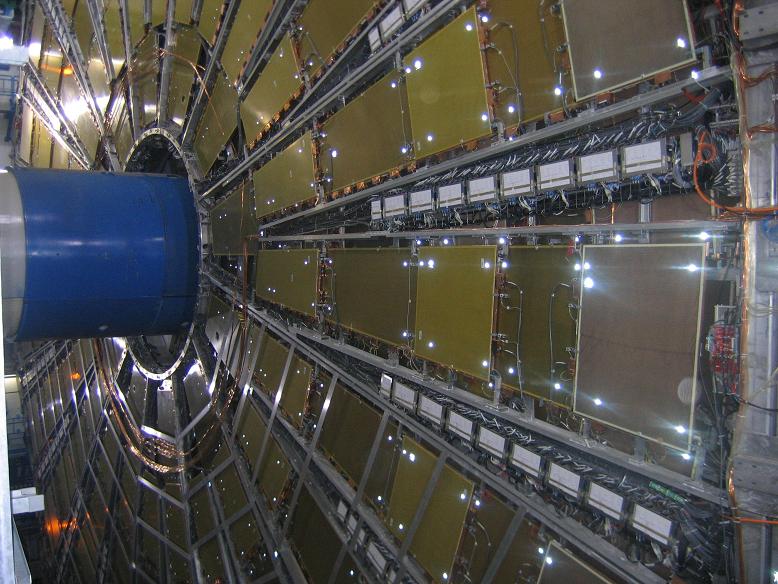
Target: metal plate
295 396
659 36
137 21
249 547
247 24
183 67
77 111
287 180
120 126
183 11
316 542
446 94
51 63
454 307
562 566
537 272
219 122
270 364
231 221
436 541
383 275
655 345
113 34
210 16
279 79
289 277
158 12
143 76
230 491
273 473
383 108
325 25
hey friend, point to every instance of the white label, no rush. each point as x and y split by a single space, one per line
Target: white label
517 182
392 22
394 206
644 157
374 38
606 501
564 479
378 560
555 175
404 395
597 166
481 189
460 425
375 210
652 524
421 201
491 442
430 409
386 382
450 195
526 459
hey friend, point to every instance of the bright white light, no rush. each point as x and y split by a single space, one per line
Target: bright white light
484 117
445 575
484 363
462 496
478 502
34 51
418 242
430 264
775 576
334 153
618 238
511 370
484 18
557 385
541 551
408 70
695 74
417 64
404 150
511 109
430 137
704 236
393 85
597 401
446 241
487 265
75 109
680 429
412 457
577 267
405 451
469 27
389 438
588 282
680 42
557 91
431 344
502 241
686 456
401 527
549 561
587 265
597 74
504 265
405 264
692 268
6 42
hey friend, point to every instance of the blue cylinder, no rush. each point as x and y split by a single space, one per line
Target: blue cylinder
103 254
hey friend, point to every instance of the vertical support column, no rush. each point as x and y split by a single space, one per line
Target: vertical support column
6 517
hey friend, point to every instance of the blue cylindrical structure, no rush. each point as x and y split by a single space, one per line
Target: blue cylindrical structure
104 254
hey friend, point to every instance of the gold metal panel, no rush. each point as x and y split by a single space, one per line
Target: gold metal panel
232 220
383 108
289 277
211 562
137 20
219 122
640 307
658 35
287 180
113 33
274 471
437 538
249 548
383 275
143 75
183 12
36 36
524 58
446 88
41 144
295 395
121 126
231 493
185 53
77 111
59 157
562 566
326 24
278 81
210 15
316 542
51 63
82 26
158 12
248 22
454 307
270 364
98 76
534 274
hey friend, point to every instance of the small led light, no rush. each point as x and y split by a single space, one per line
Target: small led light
692 268
484 363
541 551
502 241
401 527
417 64
412 457
588 282
618 238
577 267
430 137
487 265
405 452
393 85
511 109
389 438
511 370
469 27
351 572
418 242
405 264
446 241
549 561
704 236
380 498
484 117
680 429
680 42
557 91
477 502
695 74
334 153
504 265
445 575
686 456
462 496
404 150
408 70
431 344
484 18
597 401
430 264
557 385
597 74
587 265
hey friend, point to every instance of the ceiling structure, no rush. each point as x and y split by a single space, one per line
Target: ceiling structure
486 292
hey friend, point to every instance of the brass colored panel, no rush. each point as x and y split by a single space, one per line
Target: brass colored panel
534 274
113 32
183 12
287 180
41 145
562 566
219 122
289 277
175 524
137 21
59 157
437 538
98 76
279 79
158 12
248 22
522 36
250 548
447 93
295 394
82 26
640 307
202 517
210 16
121 127
143 75
211 562
316 542
185 53
25 134
383 108
273 473
270 364
231 493
454 307
232 220
77 111
326 24
251 431
383 275
597 33
51 64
